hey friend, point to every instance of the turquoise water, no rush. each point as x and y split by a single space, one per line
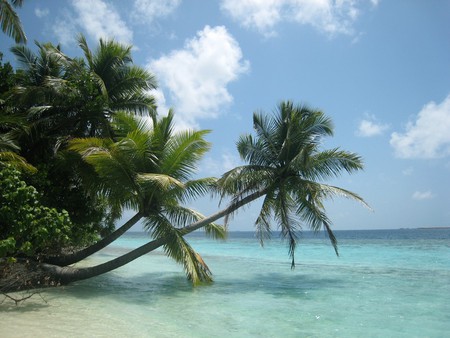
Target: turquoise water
393 283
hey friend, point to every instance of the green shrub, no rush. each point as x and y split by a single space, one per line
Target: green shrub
28 228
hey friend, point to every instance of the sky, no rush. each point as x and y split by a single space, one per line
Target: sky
379 69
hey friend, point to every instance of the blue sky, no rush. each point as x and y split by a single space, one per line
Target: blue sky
380 69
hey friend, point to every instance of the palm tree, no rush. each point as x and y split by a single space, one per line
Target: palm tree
285 163
149 170
123 84
64 98
10 22
77 97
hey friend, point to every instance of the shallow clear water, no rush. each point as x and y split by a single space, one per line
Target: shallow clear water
392 283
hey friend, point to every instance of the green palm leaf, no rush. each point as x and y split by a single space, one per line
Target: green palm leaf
179 249
10 21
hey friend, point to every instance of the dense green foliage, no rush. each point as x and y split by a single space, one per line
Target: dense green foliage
27 228
53 98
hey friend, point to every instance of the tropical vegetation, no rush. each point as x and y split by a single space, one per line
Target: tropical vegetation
81 141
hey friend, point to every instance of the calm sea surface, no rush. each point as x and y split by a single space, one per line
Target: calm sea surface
386 283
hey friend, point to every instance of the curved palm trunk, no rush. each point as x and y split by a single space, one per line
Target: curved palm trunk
86 252
68 274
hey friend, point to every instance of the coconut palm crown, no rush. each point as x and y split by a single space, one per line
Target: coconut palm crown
287 165
149 169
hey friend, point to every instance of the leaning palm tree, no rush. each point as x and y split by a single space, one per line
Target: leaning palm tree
286 164
149 169
10 21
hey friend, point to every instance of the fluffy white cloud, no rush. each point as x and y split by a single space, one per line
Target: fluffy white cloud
197 76
369 127
148 10
261 14
419 196
101 20
97 18
428 136
328 16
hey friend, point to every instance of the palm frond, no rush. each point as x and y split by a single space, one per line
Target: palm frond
179 249
183 151
266 142
262 223
16 161
85 48
330 163
283 207
24 56
325 191
158 181
216 231
10 21
130 80
197 188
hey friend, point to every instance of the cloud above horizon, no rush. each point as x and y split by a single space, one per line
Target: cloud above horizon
196 77
327 16
428 136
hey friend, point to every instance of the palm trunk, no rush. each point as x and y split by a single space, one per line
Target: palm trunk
67 274
86 252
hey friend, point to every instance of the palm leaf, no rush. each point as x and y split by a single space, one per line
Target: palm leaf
158 181
179 249
10 21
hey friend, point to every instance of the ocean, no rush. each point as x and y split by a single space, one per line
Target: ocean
385 283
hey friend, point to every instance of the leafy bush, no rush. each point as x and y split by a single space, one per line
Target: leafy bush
28 228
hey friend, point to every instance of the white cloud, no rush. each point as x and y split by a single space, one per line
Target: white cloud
147 11
65 29
261 14
332 17
160 101
369 127
328 16
419 196
163 110
97 18
197 75
428 136
41 13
